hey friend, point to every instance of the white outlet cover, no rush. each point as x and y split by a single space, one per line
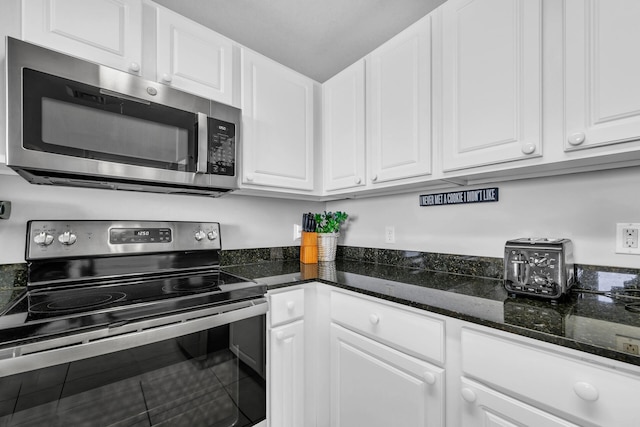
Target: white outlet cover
620 249
389 234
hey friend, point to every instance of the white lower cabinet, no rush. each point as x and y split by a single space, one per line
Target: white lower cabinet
376 386
286 383
577 389
342 359
286 359
379 373
484 407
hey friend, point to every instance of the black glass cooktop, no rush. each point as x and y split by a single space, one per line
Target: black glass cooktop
46 312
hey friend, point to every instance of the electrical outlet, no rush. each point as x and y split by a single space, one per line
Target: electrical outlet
297 232
390 234
628 345
627 238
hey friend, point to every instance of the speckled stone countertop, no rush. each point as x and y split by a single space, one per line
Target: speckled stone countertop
469 288
588 322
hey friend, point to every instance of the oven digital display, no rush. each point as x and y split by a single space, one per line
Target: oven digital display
139 235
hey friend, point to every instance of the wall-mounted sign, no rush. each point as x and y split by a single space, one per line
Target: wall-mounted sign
459 197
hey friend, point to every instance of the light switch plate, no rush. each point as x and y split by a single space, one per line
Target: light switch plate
389 234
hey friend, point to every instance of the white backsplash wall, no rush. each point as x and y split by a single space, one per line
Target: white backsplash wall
246 222
584 207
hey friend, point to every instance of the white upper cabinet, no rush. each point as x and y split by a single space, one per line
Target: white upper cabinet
193 58
104 31
602 80
343 106
399 105
277 123
491 82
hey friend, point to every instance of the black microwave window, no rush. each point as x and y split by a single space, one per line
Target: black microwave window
74 119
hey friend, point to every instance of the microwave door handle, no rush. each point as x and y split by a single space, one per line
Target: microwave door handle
201 166
125 97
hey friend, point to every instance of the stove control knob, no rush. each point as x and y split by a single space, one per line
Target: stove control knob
212 235
200 235
67 238
43 239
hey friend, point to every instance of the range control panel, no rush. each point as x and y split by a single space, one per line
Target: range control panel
59 239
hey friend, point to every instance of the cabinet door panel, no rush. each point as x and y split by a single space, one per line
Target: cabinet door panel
286 381
602 73
277 110
399 117
104 31
193 58
491 76
344 128
483 407
373 385
582 390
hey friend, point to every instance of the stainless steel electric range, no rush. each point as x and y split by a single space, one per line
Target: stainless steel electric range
132 323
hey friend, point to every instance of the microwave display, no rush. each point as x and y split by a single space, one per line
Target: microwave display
222 147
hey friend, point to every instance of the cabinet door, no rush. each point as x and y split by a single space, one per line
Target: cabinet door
108 32
286 381
277 118
376 386
491 81
193 58
344 129
602 72
484 407
399 101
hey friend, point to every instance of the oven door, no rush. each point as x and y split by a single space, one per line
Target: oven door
185 370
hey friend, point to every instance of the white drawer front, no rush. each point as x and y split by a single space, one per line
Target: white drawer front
575 389
407 331
287 306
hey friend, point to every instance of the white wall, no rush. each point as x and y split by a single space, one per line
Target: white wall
246 222
583 207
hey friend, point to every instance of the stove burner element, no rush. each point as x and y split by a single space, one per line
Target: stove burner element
70 303
194 284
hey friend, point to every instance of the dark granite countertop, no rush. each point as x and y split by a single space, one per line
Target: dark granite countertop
588 322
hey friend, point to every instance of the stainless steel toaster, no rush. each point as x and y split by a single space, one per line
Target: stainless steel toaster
539 266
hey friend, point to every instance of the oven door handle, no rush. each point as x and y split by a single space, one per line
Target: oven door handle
121 337
203 143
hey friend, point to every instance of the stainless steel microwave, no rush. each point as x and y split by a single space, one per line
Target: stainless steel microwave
76 123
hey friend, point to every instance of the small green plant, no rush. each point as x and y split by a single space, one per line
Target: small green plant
329 222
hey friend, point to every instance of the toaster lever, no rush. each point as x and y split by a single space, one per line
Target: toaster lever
519 267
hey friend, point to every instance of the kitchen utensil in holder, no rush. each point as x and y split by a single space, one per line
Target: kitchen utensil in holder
309 248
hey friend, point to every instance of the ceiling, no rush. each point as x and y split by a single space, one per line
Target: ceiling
317 38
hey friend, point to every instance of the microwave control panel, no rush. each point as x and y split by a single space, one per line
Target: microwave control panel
222 147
